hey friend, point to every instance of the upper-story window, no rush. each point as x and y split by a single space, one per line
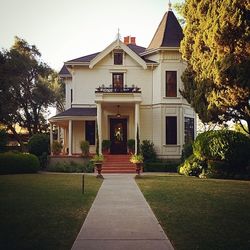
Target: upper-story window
118 58
171 84
117 81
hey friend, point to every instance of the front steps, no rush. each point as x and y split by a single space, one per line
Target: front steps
117 164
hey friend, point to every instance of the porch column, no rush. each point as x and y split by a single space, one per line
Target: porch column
51 138
137 124
99 125
58 133
70 137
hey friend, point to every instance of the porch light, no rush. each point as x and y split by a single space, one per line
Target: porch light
118 115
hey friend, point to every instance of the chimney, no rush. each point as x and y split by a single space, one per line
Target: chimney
129 40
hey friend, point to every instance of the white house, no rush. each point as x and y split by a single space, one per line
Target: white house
128 90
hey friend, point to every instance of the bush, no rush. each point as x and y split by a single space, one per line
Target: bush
56 147
38 144
72 167
3 139
192 166
106 144
160 167
224 145
148 151
186 151
84 145
131 145
16 163
218 169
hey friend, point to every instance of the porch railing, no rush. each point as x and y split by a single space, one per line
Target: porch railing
111 89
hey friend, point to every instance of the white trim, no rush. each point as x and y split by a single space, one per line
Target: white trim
117 44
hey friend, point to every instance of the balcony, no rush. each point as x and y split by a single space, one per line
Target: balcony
111 89
118 95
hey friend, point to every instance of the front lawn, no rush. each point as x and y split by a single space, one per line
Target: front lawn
43 211
200 213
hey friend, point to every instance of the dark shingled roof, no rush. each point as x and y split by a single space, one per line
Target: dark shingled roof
168 34
64 71
84 59
77 112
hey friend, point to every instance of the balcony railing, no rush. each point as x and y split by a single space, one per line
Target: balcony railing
125 89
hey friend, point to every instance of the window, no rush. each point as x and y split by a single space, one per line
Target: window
118 58
189 129
171 130
90 132
117 81
171 83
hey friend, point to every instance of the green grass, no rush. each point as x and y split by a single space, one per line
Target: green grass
43 211
200 213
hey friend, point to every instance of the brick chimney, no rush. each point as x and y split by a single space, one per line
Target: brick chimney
129 40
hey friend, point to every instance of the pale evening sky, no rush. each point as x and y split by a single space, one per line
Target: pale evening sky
64 30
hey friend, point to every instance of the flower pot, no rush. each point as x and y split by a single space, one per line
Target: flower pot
138 168
98 166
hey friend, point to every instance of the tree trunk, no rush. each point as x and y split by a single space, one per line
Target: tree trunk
17 137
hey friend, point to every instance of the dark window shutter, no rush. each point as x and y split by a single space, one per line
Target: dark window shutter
90 132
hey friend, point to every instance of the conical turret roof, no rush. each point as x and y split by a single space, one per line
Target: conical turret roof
168 34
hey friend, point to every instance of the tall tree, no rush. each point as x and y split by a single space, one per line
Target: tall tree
217 50
27 88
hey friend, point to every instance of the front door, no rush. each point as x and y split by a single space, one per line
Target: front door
118 136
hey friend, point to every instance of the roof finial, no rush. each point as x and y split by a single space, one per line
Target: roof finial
118 34
169 5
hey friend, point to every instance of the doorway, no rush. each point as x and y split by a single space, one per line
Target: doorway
118 136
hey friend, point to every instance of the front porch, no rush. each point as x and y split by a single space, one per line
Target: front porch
116 121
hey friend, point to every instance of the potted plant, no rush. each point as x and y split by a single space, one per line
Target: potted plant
106 146
56 147
84 145
98 160
131 146
138 161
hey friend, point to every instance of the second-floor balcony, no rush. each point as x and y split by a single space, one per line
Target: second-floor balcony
124 89
123 94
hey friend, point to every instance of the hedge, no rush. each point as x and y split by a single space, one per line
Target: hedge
160 167
71 167
16 163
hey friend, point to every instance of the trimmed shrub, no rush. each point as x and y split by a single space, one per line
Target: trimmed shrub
186 151
148 151
84 145
224 145
106 144
38 144
72 167
160 167
192 166
3 139
16 163
131 145
56 147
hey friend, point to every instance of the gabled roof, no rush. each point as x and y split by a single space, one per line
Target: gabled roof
117 44
64 72
85 59
168 34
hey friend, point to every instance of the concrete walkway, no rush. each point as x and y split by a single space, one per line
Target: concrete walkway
120 218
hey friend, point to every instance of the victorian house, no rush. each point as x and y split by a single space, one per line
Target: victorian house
128 92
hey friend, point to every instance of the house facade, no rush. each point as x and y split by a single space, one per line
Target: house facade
128 92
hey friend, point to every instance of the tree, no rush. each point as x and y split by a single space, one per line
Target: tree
27 88
217 50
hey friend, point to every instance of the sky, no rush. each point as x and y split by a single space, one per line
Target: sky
66 29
